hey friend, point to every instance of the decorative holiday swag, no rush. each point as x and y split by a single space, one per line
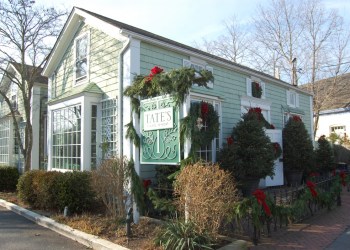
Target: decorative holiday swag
202 123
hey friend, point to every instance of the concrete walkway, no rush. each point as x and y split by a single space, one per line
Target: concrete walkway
327 230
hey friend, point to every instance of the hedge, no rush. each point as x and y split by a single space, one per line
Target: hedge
55 190
8 178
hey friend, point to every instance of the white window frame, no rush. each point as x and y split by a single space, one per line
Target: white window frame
84 79
248 102
197 67
216 102
292 98
338 129
287 115
249 81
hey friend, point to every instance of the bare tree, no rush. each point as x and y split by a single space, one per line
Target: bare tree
27 32
278 31
233 45
326 48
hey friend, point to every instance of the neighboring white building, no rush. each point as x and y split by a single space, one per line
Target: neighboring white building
333 94
10 154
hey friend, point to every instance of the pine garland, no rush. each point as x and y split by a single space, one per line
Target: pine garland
177 83
132 134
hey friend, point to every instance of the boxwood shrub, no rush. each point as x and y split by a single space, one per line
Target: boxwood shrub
8 178
55 190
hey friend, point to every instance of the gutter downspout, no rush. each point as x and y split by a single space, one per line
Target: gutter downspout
120 97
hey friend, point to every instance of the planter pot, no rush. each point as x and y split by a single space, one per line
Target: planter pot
249 186
294 177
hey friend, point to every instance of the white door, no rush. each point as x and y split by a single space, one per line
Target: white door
278 179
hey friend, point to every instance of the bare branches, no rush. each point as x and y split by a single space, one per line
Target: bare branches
26 34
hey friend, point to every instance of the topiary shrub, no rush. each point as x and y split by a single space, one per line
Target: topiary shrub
8 178
208 199
250 155
324 155
297 146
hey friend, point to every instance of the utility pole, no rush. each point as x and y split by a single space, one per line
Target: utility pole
294 72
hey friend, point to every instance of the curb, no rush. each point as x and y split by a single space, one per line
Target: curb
86 239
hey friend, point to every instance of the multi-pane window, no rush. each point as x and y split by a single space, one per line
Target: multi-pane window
4 141
66 138
292 99
198 67
338 129
109 128
253 85
93 136
206 152
81 58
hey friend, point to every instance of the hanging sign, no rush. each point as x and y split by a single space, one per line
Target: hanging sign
160 135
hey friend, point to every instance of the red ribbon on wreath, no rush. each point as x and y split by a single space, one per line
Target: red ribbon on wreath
343 177
311 186
204 110
261 196
229 140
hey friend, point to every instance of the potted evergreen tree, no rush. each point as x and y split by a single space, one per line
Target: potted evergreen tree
250 155
297 150
324 156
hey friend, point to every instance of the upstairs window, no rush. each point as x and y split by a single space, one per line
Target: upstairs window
81 58
292 99
198 67
255 88
14 102
14 89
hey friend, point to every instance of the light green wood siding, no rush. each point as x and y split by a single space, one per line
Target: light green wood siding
229 86
102 60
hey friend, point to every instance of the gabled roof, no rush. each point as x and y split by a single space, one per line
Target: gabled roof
29 70
333 93
14 67
72 26
90 88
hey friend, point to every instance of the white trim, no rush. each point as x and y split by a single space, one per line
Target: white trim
215 101
290 92
199 63
35 120
252 102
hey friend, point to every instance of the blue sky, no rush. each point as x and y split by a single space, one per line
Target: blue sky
184 21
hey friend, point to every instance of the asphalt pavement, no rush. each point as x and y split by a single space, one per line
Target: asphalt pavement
342 242
17 233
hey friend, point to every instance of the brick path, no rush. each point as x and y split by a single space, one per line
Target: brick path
317 232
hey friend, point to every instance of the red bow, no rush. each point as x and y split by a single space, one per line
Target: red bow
311 186
343 176
261 196
154 71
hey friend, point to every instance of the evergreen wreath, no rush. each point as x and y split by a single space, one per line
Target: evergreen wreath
277 149
256 90
201 126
